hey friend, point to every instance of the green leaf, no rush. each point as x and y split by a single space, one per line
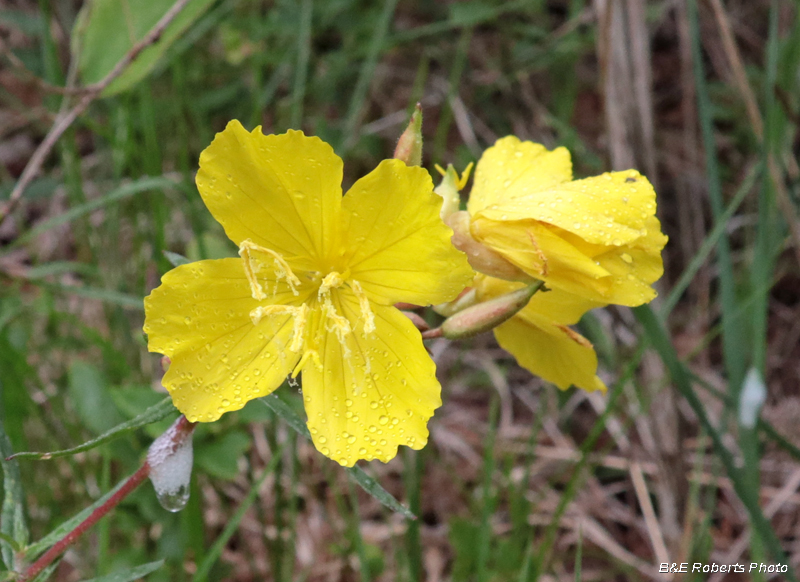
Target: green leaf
220 456
12 520
356 473
107 29
88 390
130 575
175 259
152 414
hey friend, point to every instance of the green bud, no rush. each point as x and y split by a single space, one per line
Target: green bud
489 314
409 146
468 298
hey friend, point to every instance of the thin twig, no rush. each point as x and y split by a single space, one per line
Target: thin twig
63 122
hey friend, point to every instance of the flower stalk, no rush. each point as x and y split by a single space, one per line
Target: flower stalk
178 432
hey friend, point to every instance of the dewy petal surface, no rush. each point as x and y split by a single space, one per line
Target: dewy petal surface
610 209
371 393
398 248
200 317
281 191
512 168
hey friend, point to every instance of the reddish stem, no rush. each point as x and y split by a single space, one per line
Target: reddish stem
181 429
132 483
432 333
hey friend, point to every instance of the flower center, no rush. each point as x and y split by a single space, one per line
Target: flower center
333 321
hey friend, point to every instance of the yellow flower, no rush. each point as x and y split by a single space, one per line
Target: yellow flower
540 339
597 238
313 290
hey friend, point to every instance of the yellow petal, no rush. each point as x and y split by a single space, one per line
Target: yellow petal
398 248
554 352
200 317
541 253
512 168
371 393
632 267
610 209
557 306
281 191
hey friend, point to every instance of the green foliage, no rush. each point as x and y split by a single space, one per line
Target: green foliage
107 29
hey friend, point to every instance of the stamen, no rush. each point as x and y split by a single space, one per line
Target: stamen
363 303
251 267
299 316
331 281
340 325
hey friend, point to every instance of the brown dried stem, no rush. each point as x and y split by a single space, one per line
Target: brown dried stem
91 92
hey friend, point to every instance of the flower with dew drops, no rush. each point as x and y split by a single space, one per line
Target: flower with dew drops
596 238
539 338
313 291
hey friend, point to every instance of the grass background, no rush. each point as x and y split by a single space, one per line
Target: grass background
519 481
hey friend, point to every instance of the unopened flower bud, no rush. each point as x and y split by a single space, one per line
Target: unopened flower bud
482 258
467 298
449 189
489 314
409 146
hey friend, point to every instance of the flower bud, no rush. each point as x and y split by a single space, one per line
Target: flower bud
467 298
409 146
449 189
482 258
489 314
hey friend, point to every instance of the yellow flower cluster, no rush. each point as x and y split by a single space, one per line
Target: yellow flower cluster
593 242
318 274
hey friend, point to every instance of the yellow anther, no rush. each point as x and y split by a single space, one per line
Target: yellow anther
299 316
251 267
363 304
332 280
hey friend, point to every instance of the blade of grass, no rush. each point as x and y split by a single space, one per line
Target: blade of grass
733 333
233 523
131 574
658 337
710 242
412 480
365 76
117 195
487 501
105 295
12 518
446 119
301 68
